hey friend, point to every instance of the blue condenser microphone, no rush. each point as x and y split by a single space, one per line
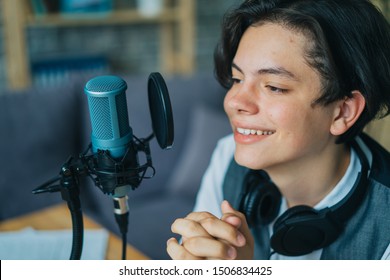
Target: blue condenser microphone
116 160
111 159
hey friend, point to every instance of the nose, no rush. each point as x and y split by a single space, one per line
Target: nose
241 100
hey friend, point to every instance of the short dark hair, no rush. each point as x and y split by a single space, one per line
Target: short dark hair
350 51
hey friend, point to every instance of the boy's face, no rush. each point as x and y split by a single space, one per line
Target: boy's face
270 105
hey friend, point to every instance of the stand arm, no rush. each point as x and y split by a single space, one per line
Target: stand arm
70 193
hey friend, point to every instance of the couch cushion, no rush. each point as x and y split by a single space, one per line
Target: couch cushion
40 130
206 127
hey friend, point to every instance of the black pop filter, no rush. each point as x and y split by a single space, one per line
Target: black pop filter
160 110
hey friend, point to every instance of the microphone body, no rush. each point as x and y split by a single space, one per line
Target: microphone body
112 136
109 116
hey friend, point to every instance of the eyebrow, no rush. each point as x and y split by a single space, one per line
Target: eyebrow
280 71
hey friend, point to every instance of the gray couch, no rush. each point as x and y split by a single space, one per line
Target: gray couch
42 127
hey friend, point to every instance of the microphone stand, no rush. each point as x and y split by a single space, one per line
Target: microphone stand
86 165
69 188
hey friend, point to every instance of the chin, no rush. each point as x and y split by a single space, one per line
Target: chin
249 160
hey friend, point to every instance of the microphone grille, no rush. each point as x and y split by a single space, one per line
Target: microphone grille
108 107
101 117
105 84
123 115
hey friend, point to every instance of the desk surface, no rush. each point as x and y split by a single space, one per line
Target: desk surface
58 217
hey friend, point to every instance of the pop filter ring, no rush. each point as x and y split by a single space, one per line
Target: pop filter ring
160 110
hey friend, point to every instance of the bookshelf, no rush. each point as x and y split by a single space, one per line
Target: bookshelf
176 22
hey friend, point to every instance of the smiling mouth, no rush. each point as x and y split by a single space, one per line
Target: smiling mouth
246 131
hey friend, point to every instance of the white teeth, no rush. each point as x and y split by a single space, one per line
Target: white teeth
241 130
246 131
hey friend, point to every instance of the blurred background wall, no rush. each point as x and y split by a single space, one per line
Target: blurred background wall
118 45
41 38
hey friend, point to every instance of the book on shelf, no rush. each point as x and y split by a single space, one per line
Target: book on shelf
51 71
43 7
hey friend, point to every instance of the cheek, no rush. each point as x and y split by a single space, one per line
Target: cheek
285 116
227 105
299 124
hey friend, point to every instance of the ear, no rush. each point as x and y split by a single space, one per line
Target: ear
347 112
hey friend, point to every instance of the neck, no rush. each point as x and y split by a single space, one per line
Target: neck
309 181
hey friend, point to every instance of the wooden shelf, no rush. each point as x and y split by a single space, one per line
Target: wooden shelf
93 19
176 23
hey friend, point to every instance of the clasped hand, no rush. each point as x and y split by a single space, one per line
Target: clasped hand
205 236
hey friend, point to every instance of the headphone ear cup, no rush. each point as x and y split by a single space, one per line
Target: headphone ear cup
297 212
301 230
261 201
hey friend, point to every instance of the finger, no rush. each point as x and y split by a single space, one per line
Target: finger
229 214
235 218
232 219
222 230
198 216
217 228
188 228
178 252
226 207
210 248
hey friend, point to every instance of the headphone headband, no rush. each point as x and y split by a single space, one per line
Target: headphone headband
345 208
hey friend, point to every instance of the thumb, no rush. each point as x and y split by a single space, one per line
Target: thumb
235 218
229 214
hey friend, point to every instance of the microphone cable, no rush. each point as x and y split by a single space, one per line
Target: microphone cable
121 212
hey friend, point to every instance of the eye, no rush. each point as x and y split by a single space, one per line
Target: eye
236 80
277 89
